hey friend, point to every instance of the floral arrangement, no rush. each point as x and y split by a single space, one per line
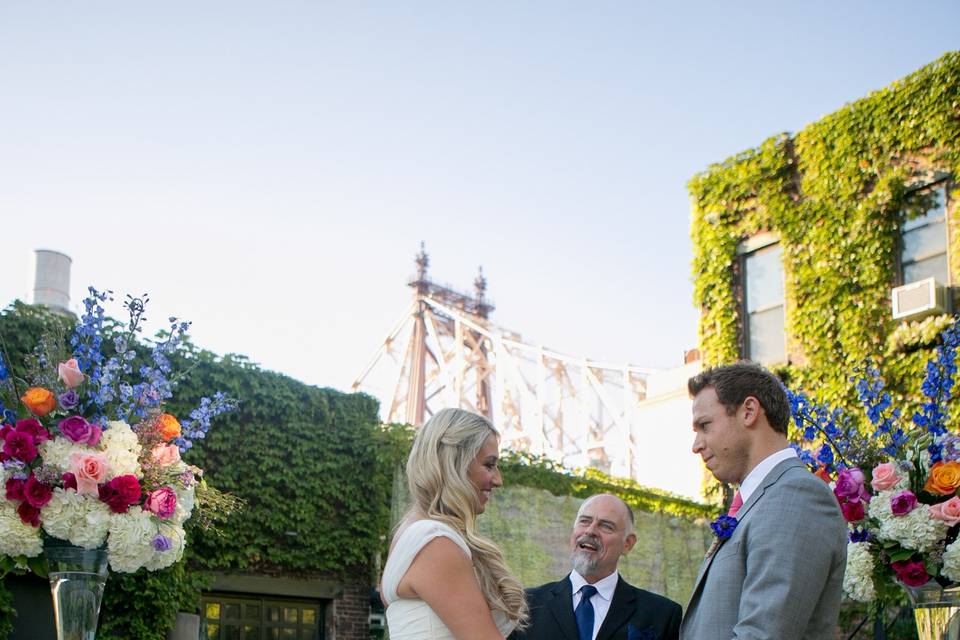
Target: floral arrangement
88 455
897 484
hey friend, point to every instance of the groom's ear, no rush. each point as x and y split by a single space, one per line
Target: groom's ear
750 411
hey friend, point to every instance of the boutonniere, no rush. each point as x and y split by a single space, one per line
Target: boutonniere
723 528
641 634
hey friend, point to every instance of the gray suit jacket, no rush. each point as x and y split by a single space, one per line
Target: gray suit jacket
779 576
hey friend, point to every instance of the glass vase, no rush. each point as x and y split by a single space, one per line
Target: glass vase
936 610
77 578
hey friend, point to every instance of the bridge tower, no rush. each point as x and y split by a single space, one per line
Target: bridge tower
574 410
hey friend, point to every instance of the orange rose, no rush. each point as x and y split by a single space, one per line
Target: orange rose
168 426
40 401
944 478
823 474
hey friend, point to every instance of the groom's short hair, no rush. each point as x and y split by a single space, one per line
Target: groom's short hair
734 382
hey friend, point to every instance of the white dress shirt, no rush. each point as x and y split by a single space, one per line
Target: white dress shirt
601 599
759 472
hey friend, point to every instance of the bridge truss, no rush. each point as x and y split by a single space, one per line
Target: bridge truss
445 352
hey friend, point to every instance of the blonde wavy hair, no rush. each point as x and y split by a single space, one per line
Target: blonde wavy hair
440 489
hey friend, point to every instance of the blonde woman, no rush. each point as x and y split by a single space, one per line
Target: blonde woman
442 580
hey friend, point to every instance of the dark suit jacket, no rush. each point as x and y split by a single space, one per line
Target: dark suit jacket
649 616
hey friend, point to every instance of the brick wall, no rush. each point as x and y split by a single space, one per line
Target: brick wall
348 616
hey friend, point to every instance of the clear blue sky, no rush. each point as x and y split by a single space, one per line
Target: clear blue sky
268 169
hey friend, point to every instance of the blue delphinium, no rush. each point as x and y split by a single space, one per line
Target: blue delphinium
884 418
196 427
938 383
841 444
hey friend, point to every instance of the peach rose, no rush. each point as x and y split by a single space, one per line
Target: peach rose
948 511
90 469
70 373
40 401
884 476
944 478
168 426
166 454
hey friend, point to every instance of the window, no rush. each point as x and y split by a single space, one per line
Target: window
763 281
252 618
923 237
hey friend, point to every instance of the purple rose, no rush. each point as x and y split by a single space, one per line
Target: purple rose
850 486
162 543
68 399
903 503
77 429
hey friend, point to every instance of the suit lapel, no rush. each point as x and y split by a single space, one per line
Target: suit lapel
561 606
621 610
769 480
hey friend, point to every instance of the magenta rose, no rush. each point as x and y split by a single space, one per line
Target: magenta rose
29 514
911 572
161 502
852 511
37 493
19 445
903 503
69 481
120 493
14 489
850 485
77 429
35 429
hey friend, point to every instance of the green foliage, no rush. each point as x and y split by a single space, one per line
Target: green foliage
834 194
7 612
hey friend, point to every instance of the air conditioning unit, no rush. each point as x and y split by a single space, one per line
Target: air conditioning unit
918 299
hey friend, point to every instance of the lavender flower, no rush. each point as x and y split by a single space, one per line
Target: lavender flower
68 399
162 543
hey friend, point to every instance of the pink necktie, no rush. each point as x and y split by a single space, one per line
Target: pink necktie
735 505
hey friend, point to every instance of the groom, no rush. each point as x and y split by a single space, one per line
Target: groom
593 602
779 573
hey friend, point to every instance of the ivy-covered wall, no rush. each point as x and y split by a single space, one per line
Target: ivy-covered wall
833 194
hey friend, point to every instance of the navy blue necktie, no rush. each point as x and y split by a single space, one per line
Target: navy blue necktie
584 612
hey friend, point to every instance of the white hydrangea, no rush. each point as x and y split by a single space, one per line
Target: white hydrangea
917 530
951 561
186 498
858 578
57 452
163 559
130 544
82 520
17 538
119 443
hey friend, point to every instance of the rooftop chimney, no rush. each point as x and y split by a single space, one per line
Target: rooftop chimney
51 282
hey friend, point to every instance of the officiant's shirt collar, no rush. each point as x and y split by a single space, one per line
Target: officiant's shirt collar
755 477
605 586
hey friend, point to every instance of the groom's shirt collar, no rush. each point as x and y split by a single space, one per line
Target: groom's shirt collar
755 477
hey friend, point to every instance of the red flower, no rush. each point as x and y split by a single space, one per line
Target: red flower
19 445
911 572
29 514
15 489
34 428
36 492
120 493
852 511
69 481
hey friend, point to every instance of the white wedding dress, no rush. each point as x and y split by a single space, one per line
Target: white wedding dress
412 619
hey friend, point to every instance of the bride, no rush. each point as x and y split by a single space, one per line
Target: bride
442 580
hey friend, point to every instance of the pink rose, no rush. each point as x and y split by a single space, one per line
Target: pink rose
166 454
948 511
89 470
161 502
884 476
70 373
